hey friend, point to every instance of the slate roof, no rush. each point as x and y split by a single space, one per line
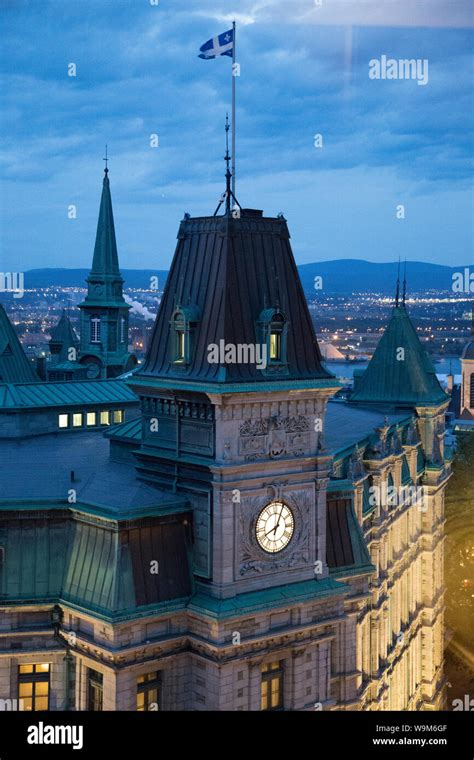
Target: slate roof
229 271
65 394
94 553
14 365
348 425
111 487
399 383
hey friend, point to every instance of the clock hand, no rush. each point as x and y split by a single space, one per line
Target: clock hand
278 521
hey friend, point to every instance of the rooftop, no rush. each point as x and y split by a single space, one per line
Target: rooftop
347 425
49 460
52 394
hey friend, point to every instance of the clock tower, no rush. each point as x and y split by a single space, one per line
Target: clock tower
104 312
233 394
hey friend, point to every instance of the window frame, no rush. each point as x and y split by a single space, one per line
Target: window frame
78 414
68 422
95 328
95 686
267 676
34 677
91 424
145 687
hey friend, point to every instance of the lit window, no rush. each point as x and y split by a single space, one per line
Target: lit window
118 416
77 419
105 418
64 420
122 329
148 692
33 687
276 332
180 345
272 686
91 419
95 329
275 346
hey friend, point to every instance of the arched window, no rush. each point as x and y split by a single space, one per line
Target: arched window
272 329
183 328
95 328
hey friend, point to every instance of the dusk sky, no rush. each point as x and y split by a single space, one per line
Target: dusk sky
304 70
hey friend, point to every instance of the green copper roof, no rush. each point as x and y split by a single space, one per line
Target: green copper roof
254 601
105 261
63 336
399 377
129 431
14 365
79 393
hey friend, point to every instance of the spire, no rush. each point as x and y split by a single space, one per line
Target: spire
14 365
404 283
63 337
397 295
105 261
400 372
228 195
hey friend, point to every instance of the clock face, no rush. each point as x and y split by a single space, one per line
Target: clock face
275 527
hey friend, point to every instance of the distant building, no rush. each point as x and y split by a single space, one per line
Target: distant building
104 312
467 382
64 347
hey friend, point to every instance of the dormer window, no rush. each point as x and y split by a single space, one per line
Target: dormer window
276 335
95 328
180 344
273 328
183 328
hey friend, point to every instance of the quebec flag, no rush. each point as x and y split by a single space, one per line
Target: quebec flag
221 45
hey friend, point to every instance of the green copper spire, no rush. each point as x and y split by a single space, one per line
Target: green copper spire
400 372
14 365
105 261
104 311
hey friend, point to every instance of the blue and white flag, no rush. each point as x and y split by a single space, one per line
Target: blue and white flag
221 45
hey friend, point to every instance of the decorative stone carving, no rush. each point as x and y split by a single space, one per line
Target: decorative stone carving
275 436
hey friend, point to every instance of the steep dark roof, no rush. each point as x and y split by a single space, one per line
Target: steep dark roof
346 550
408 382
231 273
14 365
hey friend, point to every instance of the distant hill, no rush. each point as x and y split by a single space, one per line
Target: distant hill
346 276
340 277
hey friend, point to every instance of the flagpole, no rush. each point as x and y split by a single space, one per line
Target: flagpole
233 109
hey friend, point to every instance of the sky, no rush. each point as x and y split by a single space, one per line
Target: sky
305 68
